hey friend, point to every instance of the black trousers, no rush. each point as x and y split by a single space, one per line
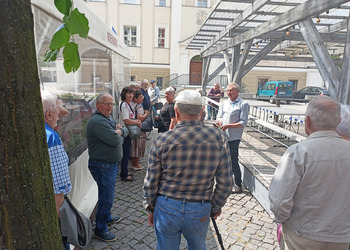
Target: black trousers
234 158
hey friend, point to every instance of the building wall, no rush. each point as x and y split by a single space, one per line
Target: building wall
181 20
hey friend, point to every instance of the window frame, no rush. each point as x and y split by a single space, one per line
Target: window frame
130 36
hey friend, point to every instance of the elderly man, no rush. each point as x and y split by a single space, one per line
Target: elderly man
309 192
214 94
58 157
233 119
105 139
146 100
179 183
153 93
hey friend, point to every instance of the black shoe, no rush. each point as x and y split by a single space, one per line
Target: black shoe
107 237
114 219
129 178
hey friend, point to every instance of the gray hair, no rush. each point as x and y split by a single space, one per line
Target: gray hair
135 85
234 84
189 109
170 90
324 113
48 100
100 96
343 128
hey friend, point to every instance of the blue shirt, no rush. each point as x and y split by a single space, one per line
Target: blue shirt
146 101
233 112
59 162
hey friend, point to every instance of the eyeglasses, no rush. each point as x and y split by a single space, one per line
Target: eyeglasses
107 103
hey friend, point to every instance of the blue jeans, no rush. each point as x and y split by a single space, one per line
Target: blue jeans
234 158
173 217
125 160
105 175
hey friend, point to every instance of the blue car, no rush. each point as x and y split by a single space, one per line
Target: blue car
276 89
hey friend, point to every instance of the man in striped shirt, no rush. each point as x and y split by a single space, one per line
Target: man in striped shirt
179 191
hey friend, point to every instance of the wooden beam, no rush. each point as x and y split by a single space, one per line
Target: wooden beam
260 56
236 53
344 84
245 14
205 73
237 75
329 72
300 12
227 64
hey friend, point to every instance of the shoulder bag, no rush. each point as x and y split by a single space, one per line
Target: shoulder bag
146 125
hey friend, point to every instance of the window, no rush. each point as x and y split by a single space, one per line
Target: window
162 3
295 84
159 82
130 35
130 1
202 3
132 78
161 38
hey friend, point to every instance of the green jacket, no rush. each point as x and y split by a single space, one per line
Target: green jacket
104 144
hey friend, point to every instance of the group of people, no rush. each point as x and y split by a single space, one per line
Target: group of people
190 167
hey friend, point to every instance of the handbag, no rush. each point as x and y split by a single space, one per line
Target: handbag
146 125
134 131
74 225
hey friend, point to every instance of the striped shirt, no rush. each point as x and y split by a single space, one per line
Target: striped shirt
59 162
184 162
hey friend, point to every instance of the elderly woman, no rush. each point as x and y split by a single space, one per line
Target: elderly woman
138 145
166 119
129 118
343 128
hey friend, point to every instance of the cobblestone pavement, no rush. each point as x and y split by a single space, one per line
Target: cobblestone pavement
243 224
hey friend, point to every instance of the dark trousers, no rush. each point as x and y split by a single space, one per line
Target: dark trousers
125 160
234 158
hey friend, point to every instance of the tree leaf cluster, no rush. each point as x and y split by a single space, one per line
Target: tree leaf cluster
74 23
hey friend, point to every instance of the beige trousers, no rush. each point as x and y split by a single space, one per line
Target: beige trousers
293 241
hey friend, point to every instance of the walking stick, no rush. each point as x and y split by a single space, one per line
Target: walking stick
217 232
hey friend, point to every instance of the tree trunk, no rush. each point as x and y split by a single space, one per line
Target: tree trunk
28 218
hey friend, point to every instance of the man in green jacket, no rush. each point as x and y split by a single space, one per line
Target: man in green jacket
105 139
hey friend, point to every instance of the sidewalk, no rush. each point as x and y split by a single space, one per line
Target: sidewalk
243 224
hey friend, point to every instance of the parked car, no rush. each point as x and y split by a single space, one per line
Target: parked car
276 89
310 91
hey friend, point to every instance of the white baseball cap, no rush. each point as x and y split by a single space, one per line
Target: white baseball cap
191 97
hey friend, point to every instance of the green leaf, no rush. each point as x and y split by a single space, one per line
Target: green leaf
77 23
71 57
51 55
60 38
63 6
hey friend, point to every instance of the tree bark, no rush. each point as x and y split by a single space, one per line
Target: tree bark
28 218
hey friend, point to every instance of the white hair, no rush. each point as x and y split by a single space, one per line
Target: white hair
235 85
170 90
100 96
324 113
343 128
48 100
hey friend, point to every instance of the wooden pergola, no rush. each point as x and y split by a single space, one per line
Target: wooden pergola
244 32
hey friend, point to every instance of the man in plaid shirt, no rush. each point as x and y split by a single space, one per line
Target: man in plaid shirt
179 191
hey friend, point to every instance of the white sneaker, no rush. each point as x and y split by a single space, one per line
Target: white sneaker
237 189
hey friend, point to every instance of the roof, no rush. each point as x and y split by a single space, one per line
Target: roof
272 25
